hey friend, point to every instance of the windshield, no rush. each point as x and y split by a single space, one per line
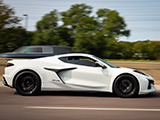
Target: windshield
105 62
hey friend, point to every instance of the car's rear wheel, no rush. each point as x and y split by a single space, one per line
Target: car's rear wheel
27 83
126 86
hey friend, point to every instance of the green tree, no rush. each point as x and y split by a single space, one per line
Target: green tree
147 50
12 36
76 14
7 16
94 34
111 24
126 50
46 29
153 50
48 22
49 33
139 49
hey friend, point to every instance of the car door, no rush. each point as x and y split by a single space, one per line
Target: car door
85 75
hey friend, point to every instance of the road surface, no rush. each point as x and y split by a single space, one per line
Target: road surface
77 106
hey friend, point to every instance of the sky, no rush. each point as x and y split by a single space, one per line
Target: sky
141 16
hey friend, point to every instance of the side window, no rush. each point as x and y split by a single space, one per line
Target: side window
33 50
29 50
47 49
79 60
59 50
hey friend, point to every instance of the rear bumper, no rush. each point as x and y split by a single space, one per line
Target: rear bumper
5 82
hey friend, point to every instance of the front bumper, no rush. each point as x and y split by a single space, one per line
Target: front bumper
151 88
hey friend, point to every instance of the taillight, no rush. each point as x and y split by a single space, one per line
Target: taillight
9 65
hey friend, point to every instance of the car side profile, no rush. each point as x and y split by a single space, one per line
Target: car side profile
75 72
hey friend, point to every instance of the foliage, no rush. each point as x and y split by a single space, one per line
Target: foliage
8 19
49 33
126 49
146 50
11 35
111 23
13 38
79 28
96 34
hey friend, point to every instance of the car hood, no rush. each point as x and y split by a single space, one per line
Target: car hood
124 69
127 69
132 71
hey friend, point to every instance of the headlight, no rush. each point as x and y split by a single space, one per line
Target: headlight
142 73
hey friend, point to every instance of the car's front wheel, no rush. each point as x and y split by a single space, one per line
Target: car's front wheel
126 86
27 83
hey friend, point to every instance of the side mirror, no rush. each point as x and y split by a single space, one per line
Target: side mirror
100 65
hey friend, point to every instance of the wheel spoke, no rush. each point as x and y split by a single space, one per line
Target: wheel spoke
28 83
126 86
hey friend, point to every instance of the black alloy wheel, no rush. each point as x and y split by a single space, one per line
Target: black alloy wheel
126 86
27 83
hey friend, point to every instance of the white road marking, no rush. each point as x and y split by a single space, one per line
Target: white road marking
87 108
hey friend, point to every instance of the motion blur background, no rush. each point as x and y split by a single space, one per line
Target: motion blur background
142 16
113 29
110 29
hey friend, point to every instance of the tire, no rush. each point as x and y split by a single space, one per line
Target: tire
27 83
126 86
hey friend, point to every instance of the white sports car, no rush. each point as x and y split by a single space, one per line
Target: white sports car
75 72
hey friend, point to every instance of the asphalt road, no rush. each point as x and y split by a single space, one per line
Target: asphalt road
77 106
